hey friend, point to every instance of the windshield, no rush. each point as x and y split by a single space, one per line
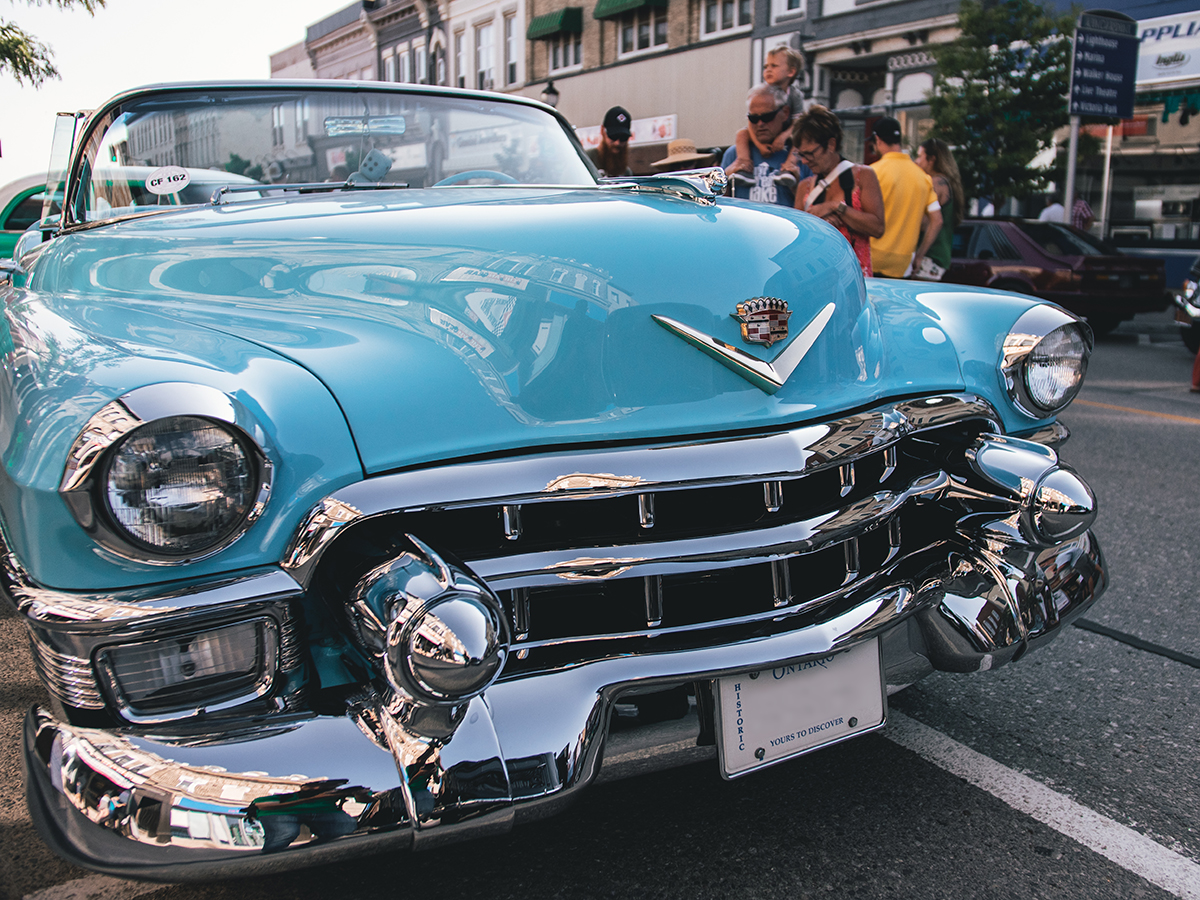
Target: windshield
1059 240
175 148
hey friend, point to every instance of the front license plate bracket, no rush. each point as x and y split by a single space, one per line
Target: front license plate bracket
774 714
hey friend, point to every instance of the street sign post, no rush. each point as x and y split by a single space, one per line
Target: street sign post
1103 77
1104 65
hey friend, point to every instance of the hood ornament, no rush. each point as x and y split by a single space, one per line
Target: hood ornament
768 376
764 320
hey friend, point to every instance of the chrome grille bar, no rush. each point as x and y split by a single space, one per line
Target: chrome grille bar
646 510
707 552
654 600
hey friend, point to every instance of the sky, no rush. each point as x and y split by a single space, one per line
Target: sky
133 42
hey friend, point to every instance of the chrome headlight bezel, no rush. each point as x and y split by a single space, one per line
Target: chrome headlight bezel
1018 351
84 482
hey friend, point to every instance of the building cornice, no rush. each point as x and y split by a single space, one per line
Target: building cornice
878 34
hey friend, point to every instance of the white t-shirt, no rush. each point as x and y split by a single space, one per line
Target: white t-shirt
1053 213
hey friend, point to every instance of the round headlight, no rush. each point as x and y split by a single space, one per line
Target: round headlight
1044 359
1055 367
181 485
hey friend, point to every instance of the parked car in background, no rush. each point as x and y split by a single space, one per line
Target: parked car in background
1058 263
1187 308
20 207
349 500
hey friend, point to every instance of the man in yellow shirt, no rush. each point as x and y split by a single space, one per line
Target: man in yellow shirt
909 202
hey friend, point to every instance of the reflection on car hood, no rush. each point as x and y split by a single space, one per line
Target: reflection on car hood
463 321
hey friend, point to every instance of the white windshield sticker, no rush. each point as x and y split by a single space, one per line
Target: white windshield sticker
168 180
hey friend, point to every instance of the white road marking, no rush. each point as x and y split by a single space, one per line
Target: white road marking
1130 850
96 887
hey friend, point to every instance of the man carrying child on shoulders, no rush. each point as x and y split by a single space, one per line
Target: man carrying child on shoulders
769 114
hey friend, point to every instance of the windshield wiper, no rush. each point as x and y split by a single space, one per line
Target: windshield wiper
311 188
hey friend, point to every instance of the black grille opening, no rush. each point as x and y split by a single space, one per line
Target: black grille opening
591 523
713 596
615 606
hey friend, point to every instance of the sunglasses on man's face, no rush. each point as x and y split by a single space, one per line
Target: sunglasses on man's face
755 118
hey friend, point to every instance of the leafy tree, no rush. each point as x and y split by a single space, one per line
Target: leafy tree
23 55
1000 93
241 166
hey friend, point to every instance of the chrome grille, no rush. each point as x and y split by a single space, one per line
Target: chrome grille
601 553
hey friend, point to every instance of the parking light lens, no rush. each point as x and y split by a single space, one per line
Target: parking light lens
197 668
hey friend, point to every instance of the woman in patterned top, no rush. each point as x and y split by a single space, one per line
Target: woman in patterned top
845 195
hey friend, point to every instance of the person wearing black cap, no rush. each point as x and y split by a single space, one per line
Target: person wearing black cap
909 202
612 156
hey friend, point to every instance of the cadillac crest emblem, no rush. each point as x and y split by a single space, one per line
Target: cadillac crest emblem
764 320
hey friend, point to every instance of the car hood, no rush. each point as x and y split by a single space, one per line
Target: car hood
451 323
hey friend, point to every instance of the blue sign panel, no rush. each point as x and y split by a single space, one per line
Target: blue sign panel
1104 66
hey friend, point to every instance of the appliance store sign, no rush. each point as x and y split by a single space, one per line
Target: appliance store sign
1170 48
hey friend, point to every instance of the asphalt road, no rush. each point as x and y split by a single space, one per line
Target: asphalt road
1070 774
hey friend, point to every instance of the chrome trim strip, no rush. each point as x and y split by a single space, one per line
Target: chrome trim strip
890 461
846 478
511 514
1053 435
893 539
141 606
67 677
646 510
773 495
853 560
670 466
654 600
781 583
520 605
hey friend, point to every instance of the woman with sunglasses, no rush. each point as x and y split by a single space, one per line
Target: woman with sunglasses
845 195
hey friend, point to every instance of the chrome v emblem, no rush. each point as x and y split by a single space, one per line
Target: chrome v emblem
771 376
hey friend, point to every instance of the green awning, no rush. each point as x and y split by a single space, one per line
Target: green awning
569 19
610 9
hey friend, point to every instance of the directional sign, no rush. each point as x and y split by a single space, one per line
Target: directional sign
1104 66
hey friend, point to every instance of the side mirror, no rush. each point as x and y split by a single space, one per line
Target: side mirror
8 270
35 234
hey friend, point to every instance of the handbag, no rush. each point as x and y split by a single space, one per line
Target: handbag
928 270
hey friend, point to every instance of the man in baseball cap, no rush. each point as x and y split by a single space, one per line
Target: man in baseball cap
911 213
612 156
887 130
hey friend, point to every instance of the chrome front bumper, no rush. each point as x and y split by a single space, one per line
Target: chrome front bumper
177 804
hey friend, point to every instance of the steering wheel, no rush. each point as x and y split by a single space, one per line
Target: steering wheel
458 178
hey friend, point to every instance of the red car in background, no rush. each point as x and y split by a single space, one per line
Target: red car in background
1058 263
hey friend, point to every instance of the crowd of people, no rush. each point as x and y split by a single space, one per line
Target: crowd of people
898 214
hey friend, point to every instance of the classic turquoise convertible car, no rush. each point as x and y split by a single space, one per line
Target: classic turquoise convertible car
375 476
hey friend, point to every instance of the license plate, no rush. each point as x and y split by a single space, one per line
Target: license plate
767 716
